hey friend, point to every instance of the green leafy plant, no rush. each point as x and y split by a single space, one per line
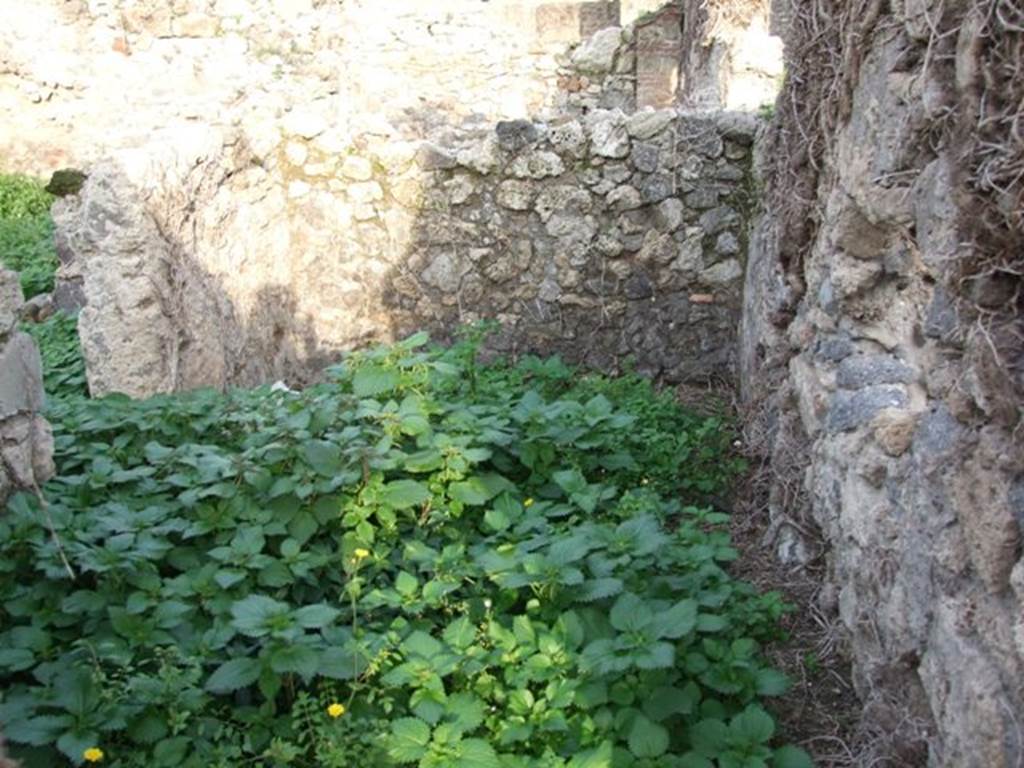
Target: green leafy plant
22 197
63 364
26 233
423 561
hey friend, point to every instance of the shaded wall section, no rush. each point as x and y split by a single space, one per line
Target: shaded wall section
204 260
882 350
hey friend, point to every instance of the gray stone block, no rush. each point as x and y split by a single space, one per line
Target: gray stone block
850 410
860 371
21 377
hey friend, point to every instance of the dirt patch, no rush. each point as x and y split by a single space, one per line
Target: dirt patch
821 711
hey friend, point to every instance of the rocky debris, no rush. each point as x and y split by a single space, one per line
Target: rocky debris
724 273
537 165
304 123
431 157
514 135
357 168
649 123
26 444
38 309
608 135
596 55
894 430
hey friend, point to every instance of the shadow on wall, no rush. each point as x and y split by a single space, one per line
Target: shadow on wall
600 238
154 317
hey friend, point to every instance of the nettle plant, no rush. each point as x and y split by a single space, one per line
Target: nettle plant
423 561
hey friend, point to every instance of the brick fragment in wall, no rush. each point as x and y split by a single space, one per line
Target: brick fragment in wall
659 47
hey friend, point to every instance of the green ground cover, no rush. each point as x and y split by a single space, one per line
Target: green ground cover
423 561
26 233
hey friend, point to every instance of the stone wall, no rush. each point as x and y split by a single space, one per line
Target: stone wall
26 445
888 377
78 78
230 258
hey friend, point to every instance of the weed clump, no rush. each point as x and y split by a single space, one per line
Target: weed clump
423 561
26 233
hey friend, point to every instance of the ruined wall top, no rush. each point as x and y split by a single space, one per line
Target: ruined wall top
79 79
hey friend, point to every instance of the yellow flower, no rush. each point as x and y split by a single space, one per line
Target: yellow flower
93 755
528 503
361 554
336 710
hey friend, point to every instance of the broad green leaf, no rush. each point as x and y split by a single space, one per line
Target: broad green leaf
647 739
771 682
599 589
460 633
428 703
709 737
148 728
473 491
477 753
371 380
73 743
465 711
303 526
322 456
340 664
426 460
16 659
791 757
570 549
37 731
630 613
406 584
570 480
316 616
677 621
521 702
76 692
693 760
258 615
666 701
496 520
227 578
419 643
299 659
402 494
171 752
601 757
234 674
408 740
752 726
708 622
592 694
414 341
